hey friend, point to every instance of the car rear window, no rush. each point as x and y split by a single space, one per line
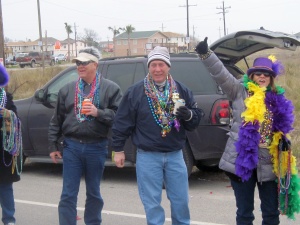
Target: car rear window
195 76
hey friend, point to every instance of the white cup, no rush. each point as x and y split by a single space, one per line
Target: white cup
178 103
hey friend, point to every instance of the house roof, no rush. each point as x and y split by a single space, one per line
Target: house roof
50 40
139 34
173 35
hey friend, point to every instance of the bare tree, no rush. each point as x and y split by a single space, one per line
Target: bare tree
69 31
115 33
91 38
128 29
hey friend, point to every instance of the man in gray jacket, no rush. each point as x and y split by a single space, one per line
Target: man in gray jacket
83 115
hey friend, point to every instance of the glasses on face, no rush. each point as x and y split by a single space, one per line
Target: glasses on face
78 63
266 74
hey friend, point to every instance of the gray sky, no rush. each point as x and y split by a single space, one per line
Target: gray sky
20 17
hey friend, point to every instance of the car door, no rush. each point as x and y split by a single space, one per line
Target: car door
42 111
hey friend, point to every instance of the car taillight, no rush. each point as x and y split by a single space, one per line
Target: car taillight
221 112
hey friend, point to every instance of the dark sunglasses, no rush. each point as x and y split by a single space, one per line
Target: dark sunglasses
266 74
78 63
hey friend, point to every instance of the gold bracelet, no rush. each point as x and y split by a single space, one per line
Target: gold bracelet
206 55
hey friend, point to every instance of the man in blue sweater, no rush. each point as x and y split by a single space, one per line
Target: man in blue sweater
149 114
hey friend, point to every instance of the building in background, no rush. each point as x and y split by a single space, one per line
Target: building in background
142 42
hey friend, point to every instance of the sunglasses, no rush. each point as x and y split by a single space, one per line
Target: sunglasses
266 74
78 63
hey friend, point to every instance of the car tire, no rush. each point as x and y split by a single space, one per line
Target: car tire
32 64
188 158
52 63
206 168
22 66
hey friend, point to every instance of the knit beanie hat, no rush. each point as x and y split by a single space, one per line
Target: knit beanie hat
4 77
159 53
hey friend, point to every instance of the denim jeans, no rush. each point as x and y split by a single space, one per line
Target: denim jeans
87 159
244 195
155 169
7 203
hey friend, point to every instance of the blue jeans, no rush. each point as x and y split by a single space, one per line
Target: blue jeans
155 169
7 203
244 195
78 159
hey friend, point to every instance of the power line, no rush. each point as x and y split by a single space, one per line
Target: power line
223 12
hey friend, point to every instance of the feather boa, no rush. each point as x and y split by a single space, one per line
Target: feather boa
284 163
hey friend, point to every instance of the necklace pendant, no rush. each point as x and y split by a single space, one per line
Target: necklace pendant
164 120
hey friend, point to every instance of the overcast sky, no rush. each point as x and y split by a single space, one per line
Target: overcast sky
20 17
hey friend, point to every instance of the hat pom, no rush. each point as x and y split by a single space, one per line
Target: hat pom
277 66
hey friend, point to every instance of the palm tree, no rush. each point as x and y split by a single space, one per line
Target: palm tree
129 29
115 33
69 31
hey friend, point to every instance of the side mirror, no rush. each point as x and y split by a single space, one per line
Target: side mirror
39 95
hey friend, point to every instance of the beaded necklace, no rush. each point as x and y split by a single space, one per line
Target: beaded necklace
93 95
12 138
161 103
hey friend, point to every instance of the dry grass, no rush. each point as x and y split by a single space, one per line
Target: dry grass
24 82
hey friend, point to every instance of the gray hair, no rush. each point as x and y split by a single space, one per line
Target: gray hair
93 51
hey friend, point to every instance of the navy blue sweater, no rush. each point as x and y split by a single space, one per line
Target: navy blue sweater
134 118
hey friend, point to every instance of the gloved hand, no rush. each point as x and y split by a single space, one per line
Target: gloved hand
202 47
183 113
284 144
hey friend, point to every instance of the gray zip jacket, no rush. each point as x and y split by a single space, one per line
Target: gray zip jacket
237 93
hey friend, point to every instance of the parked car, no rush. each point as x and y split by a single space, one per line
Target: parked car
205 145
10 61
59 58
33 58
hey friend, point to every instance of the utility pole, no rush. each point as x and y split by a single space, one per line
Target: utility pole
75 32
46 41
162 27
2 55
223 12
41 37
187 24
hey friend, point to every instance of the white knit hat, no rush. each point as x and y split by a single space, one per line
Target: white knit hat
159 53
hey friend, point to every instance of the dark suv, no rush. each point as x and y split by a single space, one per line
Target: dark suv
205 145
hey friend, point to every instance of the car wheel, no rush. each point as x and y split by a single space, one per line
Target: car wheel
207 168
52 63
32 64
188 158
22 66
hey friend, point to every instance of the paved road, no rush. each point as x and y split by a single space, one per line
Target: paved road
37 195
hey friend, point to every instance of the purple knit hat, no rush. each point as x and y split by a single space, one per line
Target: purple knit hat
4 77
263 64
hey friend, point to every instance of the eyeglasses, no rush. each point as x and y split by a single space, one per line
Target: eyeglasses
266 74
78 63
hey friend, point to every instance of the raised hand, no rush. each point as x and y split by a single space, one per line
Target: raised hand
202 47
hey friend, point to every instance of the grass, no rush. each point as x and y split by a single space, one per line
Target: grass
24 82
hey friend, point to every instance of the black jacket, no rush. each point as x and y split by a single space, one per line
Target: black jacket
6 175
64 122
134 118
